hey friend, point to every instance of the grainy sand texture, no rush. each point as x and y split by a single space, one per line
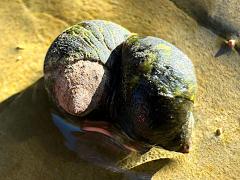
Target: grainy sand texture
31 147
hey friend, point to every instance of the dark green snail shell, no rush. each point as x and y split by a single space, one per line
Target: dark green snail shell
147 84
93 40
156 92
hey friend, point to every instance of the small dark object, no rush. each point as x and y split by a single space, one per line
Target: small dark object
19 48
218 132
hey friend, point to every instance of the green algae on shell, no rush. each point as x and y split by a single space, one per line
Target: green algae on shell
156 93
162 64
92 42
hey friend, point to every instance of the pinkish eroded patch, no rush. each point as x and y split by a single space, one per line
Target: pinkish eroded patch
80 87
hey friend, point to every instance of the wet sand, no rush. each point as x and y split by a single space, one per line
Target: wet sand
31 147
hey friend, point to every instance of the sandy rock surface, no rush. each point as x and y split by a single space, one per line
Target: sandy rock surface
31 147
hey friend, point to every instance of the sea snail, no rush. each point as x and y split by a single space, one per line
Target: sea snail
78 65
145 84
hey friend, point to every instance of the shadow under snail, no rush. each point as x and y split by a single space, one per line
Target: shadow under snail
145 85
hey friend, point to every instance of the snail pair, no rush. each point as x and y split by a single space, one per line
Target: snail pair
146 85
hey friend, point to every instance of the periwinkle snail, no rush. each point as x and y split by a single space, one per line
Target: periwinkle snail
145 84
